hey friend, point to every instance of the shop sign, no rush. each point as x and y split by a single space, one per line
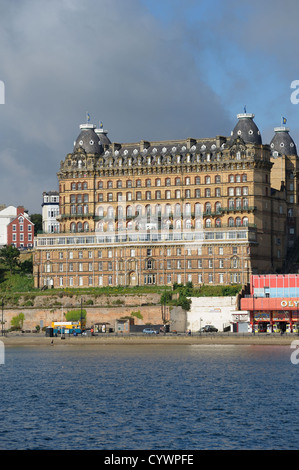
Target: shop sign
262 316
290 303
240 317
281 316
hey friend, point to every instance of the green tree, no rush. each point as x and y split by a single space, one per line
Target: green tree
37 220
10 255
27 266
75 315
17 322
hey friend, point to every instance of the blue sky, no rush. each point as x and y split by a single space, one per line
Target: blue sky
148 69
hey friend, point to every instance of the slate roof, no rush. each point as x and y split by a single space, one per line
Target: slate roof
282 143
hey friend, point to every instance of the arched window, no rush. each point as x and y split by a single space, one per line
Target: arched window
245 221
238 203
187 209
238 222
167 209
198 223
208 223
177 210
218 207
73 227
120 212
218 222
178 224
110 212
86 227
79 227
198 210
158 210
208 208
231 222
188 224
139 210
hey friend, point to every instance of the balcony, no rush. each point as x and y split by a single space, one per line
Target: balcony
239 209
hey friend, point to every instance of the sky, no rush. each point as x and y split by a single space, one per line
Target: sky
148 69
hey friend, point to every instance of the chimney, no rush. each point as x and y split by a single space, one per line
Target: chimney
20 210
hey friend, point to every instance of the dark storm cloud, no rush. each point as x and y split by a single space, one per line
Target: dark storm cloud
184 73
61 58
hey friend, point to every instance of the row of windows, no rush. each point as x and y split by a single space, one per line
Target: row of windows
149 252
177 182
79 198
79 186
233 263
21 228
221 278
21 237
176 210
177 194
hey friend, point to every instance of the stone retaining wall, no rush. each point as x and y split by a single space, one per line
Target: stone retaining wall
44 316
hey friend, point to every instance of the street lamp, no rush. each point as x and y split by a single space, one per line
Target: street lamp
2 314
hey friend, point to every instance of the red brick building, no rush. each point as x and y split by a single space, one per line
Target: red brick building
20 231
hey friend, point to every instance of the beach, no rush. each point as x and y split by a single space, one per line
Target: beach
180 339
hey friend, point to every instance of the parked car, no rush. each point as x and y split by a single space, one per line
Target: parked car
209 329
150 331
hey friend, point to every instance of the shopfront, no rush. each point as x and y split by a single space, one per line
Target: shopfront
270 313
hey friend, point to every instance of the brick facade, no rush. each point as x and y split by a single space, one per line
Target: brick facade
199 210
20 232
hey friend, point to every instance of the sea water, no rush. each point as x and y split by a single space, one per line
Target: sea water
185 397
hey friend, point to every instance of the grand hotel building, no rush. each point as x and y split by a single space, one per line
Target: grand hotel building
207 210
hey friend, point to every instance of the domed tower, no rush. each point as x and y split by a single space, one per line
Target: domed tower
285 169
282 143
102 135
88 140
77 181
247 130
